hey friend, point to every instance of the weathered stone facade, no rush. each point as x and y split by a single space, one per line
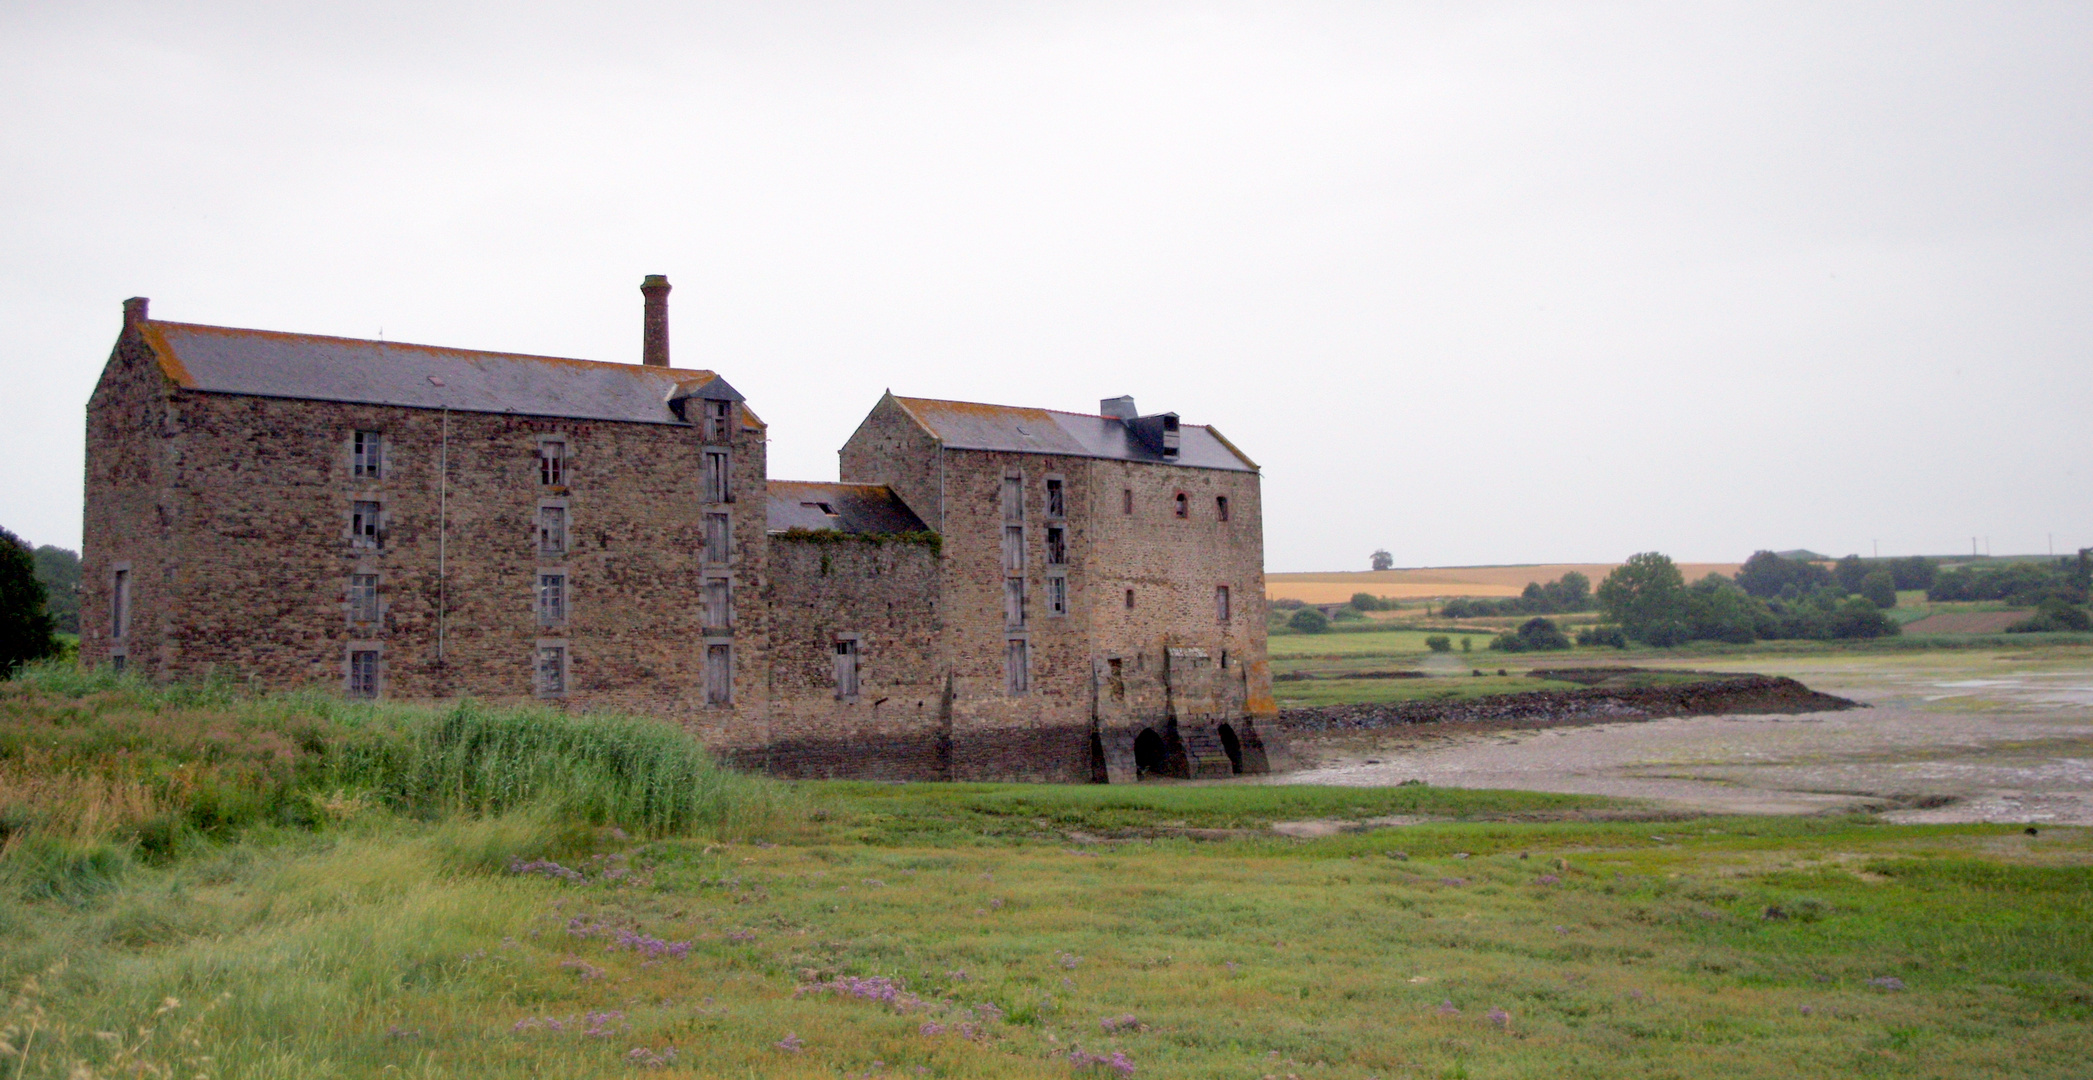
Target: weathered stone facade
407 522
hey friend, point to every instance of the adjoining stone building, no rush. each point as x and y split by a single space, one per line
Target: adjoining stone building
990 593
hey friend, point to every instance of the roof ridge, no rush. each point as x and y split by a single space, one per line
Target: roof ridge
1028 408
386 344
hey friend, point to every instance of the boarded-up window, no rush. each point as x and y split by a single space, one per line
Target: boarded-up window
1013 498
1017 673
552 599
1013 549
368 456
120 605
1057 502
1220 508
363 525
717 486
363 598
718 415
1221 602
1057 545
719 674
552 530
552 462
717 543
717 603
1057 595
1014 602
363 673
846 668
552 669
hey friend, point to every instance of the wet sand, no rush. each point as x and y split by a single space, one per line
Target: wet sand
1956 736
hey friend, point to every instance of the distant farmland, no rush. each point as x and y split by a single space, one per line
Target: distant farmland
1436 581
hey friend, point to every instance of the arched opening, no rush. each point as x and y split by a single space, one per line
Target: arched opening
1148 753
1231 746
1099 774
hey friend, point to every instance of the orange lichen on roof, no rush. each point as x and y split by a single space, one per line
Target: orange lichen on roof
698 374
170 364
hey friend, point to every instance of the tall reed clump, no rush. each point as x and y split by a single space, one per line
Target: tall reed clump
96 769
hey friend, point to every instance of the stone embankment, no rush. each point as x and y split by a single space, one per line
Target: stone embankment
1718 695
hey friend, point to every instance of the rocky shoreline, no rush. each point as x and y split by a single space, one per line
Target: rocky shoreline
1716 696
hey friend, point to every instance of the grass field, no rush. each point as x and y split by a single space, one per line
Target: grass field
873 930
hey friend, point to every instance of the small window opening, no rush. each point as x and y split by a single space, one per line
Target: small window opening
1057 596
718 486
717 608
1221 602
552 530
1221 508
1130 599
120 605
1013 549
1057 503
363 598
363 673
1184 505
846 668
116 663
1013 498
1115 678
1017 676
552 463
363 525
552 599
1057 546
1014 603
1126 501
718 544
368 455
719 674
552 669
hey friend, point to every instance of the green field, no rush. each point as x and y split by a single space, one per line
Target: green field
244 902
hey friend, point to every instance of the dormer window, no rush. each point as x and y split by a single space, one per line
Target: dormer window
717 416
1170 436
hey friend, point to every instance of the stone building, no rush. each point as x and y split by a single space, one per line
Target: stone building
991 592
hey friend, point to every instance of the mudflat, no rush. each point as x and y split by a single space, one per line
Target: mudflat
1947 736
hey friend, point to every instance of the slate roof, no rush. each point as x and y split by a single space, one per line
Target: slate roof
265 363
964 425
850 508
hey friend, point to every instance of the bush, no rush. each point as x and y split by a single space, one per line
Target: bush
1857 618
1309 620
1440 643
1467 644
1602 635
1369 602
1880 587
1347 614
1533 635
2054 615
26 631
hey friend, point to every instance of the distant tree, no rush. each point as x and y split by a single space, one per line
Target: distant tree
1309 620
1850 572
1568 593
1439 643
1467 644
1718 610
1767 575
59 570
1857 618
1647 596
25 627
1914 571
1383 561
1880 587
1367 602
1602 635
2054 614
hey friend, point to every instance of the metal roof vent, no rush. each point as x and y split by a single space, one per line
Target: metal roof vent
1157 433
1118 408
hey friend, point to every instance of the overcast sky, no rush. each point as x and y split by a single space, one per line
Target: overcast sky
1473 283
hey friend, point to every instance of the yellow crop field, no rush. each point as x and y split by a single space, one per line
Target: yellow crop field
1438 581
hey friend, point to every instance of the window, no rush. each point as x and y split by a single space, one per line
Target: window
1126 501
717 415
1017 679
363 673
716 610
846 668
116 663
363 598
719 674
717 487
552 462
1130 599
552 599
1057 545
363 525
1115 678
120 605
1184 505
717 543
552 669
368 455
1220 508
1013 549
1014 602
1013 498
1057 595
1221 602
1057 504
552 530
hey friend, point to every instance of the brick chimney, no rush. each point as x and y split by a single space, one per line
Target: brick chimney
655 353
134 313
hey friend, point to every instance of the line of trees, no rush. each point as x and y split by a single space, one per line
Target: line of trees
1649 601
27 631
1569 593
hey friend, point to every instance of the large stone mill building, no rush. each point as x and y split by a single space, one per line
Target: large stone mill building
991 592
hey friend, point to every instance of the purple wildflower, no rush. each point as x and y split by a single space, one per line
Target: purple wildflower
891 992
1453 881
1446 1008
1499 1017
789 1044
648 1059
1067 960
742 936
588 970
546 868
1807 1010
988 1011
1887 982
652 947
956 976
1118 1062
1547 879
600 1024
1120 1023
930 1028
